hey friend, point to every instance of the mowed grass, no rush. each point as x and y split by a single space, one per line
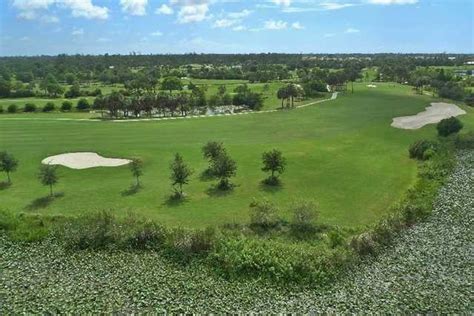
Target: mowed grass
343 154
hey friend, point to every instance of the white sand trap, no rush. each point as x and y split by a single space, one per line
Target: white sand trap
432 114
84 160
371 86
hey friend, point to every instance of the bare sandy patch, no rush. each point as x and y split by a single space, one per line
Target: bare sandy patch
371 86
431 115
84 160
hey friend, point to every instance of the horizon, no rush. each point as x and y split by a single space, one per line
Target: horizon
179 27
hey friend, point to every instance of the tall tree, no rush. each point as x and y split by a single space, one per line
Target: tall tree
48 177
274 162
224 167
8 164
136 168
171 83
180 174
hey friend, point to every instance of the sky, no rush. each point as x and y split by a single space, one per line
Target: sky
51 27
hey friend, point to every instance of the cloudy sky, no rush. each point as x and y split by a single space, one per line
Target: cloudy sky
34 27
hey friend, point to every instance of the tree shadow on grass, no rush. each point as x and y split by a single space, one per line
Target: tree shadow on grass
4 185
206 176
43 202
215 191
174 200
132 190
270 187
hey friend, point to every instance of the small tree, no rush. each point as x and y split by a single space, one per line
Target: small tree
212 150
274 162
136 167
83 105
224 167
180 174
48 177
8 164
449 126
66 106
48 107
12 108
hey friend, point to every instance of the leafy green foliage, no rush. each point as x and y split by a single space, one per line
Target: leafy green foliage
449 126
422 149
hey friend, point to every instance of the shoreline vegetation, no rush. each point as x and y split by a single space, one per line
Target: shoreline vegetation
108 259
268 247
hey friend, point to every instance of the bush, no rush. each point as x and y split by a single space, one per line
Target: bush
304 215
49 107
465 141
1 109
449 126
66 106
12 108
263 215
29 107
83 105
422 149
363 244
186 243
336 238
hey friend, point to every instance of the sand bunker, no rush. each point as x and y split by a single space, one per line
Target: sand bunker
371 86
84 160
433 114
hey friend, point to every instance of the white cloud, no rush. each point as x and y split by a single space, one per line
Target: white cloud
49 19
297 26
275 25
239 15
193 12
85 9
134 7
284 3
79 8
24 38
77 32
352 30
239 28
388 2
224 23
335 5
156 33
164 9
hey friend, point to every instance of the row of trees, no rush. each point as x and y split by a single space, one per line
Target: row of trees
221 167
163 104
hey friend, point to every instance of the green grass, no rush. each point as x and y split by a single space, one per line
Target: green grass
342 153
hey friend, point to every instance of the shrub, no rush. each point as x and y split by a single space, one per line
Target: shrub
336 238
422 149
12 108
465 141
186 243
66 106
363 244
48 107
145 236
83 105
304 215
449 126
29 107
1 109
263 214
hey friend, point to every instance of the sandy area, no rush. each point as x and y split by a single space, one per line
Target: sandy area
371 86
432 114
84 160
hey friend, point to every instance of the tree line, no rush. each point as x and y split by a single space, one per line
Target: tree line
222 167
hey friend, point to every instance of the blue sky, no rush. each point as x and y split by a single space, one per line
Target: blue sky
34 27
